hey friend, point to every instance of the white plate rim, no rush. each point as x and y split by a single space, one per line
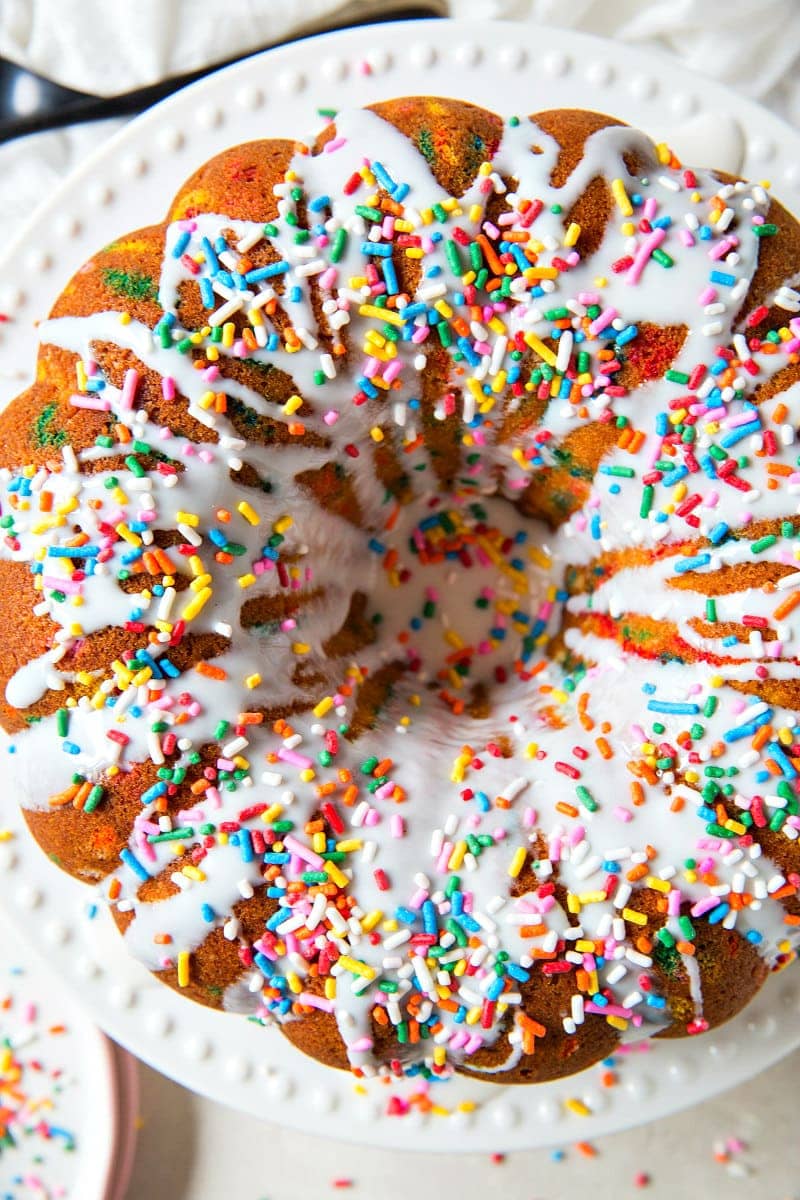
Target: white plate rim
459 58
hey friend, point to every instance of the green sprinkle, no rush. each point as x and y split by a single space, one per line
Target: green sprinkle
763 543
62 722
369 214
765 230
647 500
711 609
586 798
339 243
676 376
133 465
453 257
93 799
172 835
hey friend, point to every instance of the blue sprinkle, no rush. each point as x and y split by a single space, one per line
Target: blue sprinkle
429 922
737 435
206 293
181 243
210 256
689 564
131 861
269 272
383 177
682 708
381 249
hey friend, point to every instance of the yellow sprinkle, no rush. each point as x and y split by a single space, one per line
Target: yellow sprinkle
333 873
252 681
283 523
292 404
330 988
376 433
246 581
371 920
127 534
200 582
621 197
192 872
324 706
228 334
294 982
577 1107
319 842
248 513
538 345
637 918
592 897
499 382
517 862
195 606
183 968
572 234
457 856
300 648
617 1023
534 273
356 967
381 314
660 885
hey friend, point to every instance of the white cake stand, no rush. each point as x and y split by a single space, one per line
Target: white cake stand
511 68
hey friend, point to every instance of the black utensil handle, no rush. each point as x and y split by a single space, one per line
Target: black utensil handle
95 108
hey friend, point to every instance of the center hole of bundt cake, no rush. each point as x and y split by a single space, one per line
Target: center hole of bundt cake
462 595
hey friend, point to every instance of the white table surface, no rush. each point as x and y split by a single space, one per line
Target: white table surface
192 1149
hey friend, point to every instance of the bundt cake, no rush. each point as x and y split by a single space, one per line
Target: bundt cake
400 583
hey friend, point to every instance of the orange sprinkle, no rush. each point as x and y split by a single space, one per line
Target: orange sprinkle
210 671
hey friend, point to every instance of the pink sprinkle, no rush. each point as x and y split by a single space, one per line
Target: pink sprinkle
603 321
294 846
640 259
168 387
297 760
129 386
312 1001
95 403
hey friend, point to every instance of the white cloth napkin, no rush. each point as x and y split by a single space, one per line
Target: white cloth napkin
104 48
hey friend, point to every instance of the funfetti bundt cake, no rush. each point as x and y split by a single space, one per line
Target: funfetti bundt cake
401 583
